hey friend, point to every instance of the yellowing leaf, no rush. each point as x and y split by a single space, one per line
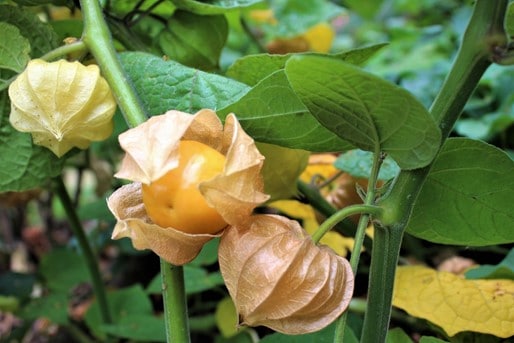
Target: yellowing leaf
320 37
320 165
280 182
226 317
295 209
454 303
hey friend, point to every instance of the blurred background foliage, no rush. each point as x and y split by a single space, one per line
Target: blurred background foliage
44 293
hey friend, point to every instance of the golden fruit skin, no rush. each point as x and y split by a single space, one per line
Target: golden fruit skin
175 200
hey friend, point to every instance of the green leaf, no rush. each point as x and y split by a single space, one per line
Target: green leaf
509 20
208 255
24 165
358 163
272 113
280 182
485 127
168 85
14 48
253 68
467 197
53 306
366 9
397 335
123 303
365 110
40 35
197 280
63 269
503 270
142 328
194 40
226 316
295 17
213 6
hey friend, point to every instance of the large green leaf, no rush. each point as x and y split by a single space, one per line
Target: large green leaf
40 35
213 6
253 68
365 110
24 165
272 113
168 85
194 40
14 48
467 197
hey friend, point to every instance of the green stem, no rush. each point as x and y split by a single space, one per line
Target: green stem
331 221
175 309
361 233
482 37
85 247
75 47
345 227
98 39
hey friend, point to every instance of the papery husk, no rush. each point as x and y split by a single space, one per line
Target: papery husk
152 151
62 104
174 246
279 278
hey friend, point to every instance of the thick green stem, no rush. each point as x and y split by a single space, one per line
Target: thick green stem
85 247
98 39
482 37
175 309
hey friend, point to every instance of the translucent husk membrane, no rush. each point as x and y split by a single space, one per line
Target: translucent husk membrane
279 278
152 150
62 104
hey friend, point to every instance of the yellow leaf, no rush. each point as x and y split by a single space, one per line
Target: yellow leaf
456 304
295 209
320 165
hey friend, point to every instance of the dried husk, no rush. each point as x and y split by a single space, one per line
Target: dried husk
62 104
152 150
174 246
279 278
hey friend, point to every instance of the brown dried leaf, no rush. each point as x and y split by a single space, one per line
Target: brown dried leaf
278 278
